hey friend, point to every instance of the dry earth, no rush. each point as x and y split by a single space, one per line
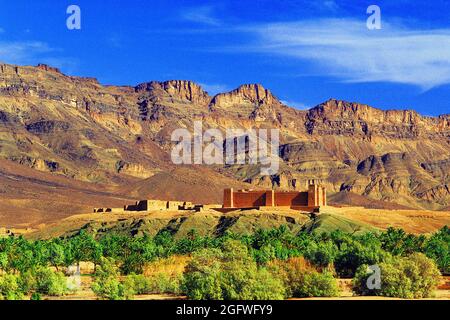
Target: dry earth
412 221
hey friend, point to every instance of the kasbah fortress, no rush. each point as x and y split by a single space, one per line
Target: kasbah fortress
310 201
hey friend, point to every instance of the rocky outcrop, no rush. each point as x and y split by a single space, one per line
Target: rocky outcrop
46 67
177 90
336 117
248 93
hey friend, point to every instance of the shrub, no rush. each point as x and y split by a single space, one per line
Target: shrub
109 289
267 286
9 288
321 254
202 276
415 276
315 284
157 283
398 242
230 275
134 263
139 284
265 254
354 254
107 286
27 282
3 261
36 296
423 273
438 248
167 284
48 282
302 280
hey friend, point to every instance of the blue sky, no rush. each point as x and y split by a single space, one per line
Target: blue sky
304 51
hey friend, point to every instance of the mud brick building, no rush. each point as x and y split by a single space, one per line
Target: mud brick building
310 200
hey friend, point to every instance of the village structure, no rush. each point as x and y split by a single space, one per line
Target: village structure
310 201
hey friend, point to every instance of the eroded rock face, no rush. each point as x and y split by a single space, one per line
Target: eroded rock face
336 117
181 90
248 93
46 67
76 127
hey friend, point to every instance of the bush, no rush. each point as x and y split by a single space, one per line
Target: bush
138 283
315 284
27 282
202 276
302 280
267 286
48 282
230 275
42 281
107 286
157 283
415 276
438 248
9 288
321 254
423 273
354 254
3 261
109 289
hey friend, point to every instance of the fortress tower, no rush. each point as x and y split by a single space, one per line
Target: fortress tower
317 194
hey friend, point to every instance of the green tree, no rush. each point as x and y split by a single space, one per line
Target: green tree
9 288
3 261
49 282
321 254
437 247
229 274
56 254
85 248
414 276
202 276
107 285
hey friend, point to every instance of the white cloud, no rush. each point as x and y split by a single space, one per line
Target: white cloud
214 89
295 104
330 5
203 15
346 49
34 52
22 52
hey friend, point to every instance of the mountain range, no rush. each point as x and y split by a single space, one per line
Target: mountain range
69 143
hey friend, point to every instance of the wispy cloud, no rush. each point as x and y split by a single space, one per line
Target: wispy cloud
295 104
214 89
33 52
22 52
346 49
329 5
202 15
